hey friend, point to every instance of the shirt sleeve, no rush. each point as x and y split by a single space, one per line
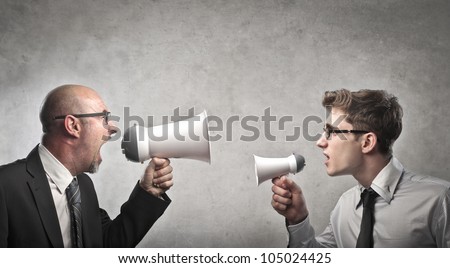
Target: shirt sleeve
442 222
302 235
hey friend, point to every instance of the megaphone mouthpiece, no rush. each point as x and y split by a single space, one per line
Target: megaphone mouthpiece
130 147
300 160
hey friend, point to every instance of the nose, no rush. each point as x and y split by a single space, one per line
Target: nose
322 142
112 128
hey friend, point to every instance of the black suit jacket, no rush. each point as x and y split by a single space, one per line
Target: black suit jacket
28 216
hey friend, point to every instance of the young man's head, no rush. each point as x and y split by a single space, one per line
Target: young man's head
361 122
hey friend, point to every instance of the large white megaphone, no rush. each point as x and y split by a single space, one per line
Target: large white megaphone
182 139
269 168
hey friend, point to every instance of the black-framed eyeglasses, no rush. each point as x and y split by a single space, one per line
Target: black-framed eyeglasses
106 115
328 131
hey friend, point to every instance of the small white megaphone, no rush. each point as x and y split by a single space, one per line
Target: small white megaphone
269 168
182 139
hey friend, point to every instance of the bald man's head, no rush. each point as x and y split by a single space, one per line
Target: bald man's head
64 100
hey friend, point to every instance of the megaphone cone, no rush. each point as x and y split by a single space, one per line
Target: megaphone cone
183 139
269 168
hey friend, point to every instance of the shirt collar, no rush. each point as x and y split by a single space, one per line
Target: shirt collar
56 171
387 179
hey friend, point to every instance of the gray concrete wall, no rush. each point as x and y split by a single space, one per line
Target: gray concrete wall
230 58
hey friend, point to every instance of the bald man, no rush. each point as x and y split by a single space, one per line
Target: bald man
47 200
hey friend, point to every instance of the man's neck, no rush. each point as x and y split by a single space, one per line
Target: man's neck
61 152
372 165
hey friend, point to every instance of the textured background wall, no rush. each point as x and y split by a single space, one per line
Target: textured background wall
230 58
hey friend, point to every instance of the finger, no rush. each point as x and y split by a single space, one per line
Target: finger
157 191
160 162
283 180
166 185
280 181
275 180
163 171
150 167
282 200
281 191
292 186
159 180
278 206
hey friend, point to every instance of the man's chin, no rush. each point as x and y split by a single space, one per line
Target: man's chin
329 171
335 173
94 168
332 173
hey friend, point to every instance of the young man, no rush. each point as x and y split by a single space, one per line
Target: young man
47 200
389 206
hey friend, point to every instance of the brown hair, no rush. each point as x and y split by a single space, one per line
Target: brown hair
372 110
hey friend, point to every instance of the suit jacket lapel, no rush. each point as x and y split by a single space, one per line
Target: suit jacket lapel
43 197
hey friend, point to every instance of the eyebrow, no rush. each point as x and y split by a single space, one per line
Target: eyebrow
329 126
105 111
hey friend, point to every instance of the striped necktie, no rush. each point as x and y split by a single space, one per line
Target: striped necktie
74 201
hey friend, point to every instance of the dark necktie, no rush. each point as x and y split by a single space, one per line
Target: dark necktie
365 238
74 200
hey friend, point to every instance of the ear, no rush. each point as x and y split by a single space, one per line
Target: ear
72 126
368 142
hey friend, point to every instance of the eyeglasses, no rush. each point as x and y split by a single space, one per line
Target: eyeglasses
329 130
105 115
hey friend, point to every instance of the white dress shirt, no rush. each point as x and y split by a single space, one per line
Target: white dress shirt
411 211
59 178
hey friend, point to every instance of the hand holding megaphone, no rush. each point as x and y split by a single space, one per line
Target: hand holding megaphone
269 168
183 139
